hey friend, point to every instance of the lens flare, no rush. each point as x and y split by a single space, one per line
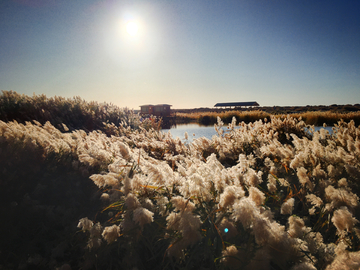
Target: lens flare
132 28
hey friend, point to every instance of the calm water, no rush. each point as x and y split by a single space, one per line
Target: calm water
196 131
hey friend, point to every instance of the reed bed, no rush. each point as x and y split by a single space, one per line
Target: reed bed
262 195
330 118
74 113
210 118
317 118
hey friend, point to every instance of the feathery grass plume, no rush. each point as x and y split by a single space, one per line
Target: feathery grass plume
99 180
245 211
111 233
314 241
131 202
257 196
105 197
298 161
262 230
340 197
342 183
230 194
344 260
161 204
252 178
148 204
271 185
85 224
181 204
296 227
343 220
124 151
231 258
287 207
156 174
95 236
319 173
190 228
303 266
270 164
143 216
188 225
315 201
304 179
196 186
332 172
127 187
186 136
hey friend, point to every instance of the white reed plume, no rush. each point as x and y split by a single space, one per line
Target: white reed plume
340 197
296 227
111 233
143 216
230 257
230 194
125 151
257 196
287 207
315 201
343 220
304 179
132 202
85 224
245 211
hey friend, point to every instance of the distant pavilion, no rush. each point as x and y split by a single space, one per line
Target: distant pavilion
162 110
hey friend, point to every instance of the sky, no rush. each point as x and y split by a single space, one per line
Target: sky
186 53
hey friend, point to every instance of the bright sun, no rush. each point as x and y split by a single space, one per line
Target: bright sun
132 28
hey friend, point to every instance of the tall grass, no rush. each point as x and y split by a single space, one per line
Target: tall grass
210 118
329 118
74 113
267 195
311 118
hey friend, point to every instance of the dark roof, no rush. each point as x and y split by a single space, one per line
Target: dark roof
237 104
163 105
155 105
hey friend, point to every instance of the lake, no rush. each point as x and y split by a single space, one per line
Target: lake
196 131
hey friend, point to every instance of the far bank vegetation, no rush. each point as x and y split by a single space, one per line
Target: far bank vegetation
311 115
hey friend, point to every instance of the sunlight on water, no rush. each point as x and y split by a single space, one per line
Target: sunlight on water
197 131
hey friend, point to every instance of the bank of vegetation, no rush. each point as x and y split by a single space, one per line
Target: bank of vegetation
74 113
268 195
317 118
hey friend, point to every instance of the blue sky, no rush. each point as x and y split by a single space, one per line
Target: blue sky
187 53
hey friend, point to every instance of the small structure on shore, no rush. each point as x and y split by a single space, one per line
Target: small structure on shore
160 110
237 104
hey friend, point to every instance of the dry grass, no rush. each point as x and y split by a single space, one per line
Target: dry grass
266 190
262 195
311 118
329 118
210 118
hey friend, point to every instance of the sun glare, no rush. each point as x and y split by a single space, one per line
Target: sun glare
132 28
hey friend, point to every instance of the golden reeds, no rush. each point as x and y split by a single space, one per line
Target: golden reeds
316 118
264 194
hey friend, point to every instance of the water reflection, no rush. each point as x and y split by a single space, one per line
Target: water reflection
196 131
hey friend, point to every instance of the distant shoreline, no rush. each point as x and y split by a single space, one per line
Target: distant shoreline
311 115
280 109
